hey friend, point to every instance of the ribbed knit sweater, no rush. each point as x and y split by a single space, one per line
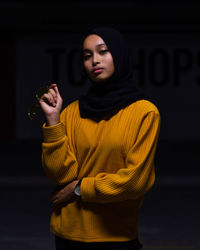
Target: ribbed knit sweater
115 158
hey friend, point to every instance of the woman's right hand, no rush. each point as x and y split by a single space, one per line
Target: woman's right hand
51 104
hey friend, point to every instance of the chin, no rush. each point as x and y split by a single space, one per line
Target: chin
100 79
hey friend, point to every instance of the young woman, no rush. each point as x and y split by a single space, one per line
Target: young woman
100 151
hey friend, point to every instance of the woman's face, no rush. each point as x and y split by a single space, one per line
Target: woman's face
97 59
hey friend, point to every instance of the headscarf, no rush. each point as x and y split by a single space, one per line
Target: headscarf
104 99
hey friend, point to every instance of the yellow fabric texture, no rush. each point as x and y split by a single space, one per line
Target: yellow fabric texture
115 158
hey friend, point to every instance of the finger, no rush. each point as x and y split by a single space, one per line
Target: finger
52 91
56 90
54 95
56 201
47 99
54 197
52 85
55 191
57 206
50 99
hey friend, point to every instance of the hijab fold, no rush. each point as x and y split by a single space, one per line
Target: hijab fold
104 99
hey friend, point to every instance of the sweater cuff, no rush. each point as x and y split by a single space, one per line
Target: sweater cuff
53 133
88 192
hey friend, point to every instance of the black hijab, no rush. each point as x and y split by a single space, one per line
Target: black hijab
104 99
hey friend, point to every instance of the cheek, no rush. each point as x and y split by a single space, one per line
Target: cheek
86 66
111 65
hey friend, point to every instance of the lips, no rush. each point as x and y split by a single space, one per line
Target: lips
97 70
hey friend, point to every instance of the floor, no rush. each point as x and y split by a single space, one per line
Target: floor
169 217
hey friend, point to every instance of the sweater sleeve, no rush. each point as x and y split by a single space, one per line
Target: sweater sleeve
58 159
138 175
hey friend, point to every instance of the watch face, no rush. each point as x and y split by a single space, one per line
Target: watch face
77 190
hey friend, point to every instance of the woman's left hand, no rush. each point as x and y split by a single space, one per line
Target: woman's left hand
64 195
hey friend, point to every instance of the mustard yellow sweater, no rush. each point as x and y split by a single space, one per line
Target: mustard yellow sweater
115 158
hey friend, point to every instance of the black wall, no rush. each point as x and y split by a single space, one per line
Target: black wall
169 28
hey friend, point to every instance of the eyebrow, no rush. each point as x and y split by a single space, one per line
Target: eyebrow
98 45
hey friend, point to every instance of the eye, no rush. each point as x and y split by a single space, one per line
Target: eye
86 56
104 51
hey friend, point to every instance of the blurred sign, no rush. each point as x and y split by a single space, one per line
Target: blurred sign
165 67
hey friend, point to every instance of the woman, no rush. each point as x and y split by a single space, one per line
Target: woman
100 151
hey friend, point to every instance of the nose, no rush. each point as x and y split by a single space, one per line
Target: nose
95 58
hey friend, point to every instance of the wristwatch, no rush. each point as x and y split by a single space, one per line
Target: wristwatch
77 189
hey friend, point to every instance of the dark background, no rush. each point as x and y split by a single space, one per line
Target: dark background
168 31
